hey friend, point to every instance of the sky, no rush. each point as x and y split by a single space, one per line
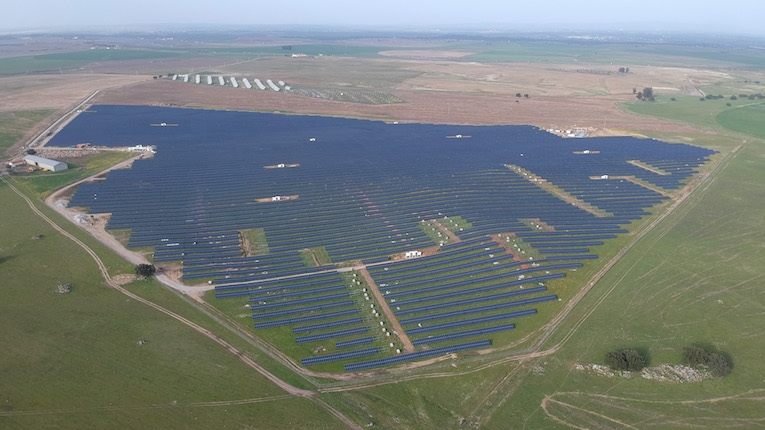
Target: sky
706 16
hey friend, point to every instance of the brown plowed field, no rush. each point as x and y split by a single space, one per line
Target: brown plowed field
420 106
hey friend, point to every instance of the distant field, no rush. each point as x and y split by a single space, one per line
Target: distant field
75 60
612 53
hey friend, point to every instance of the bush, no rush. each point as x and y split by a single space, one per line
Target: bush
626 359
718 365
694 355
145 270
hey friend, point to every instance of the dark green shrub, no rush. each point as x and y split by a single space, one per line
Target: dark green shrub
626 359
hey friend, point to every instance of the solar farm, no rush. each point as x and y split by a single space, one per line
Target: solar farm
439 238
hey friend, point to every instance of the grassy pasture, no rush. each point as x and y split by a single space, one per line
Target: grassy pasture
13 125
748 119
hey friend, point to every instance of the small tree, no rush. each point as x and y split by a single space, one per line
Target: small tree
145 270
31 151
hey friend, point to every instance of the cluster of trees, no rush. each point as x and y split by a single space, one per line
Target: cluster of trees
694 356
625 359
715 362
145 270
646 94
519 95
624 69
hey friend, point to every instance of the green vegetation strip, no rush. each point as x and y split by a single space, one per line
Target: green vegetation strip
75 60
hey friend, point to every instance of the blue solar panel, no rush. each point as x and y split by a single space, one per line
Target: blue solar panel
339 356
460 334
449 349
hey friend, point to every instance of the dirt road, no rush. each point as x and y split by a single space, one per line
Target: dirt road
397 329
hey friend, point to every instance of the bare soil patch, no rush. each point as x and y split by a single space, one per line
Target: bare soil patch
123 279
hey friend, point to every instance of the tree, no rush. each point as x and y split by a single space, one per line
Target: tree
625 359
145 270
31 151
733 98
621 69
526 96
648 93
517 94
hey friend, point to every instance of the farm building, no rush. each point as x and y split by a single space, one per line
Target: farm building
46 164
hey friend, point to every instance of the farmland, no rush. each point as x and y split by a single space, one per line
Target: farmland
690 278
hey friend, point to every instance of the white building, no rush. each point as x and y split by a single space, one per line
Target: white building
46 164
412 254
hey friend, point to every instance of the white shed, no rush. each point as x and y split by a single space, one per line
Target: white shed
46 164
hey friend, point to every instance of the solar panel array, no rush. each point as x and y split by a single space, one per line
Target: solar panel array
362 190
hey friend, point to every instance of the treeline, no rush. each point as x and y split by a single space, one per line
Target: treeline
757 96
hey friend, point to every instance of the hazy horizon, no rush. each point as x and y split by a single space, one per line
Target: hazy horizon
734 17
